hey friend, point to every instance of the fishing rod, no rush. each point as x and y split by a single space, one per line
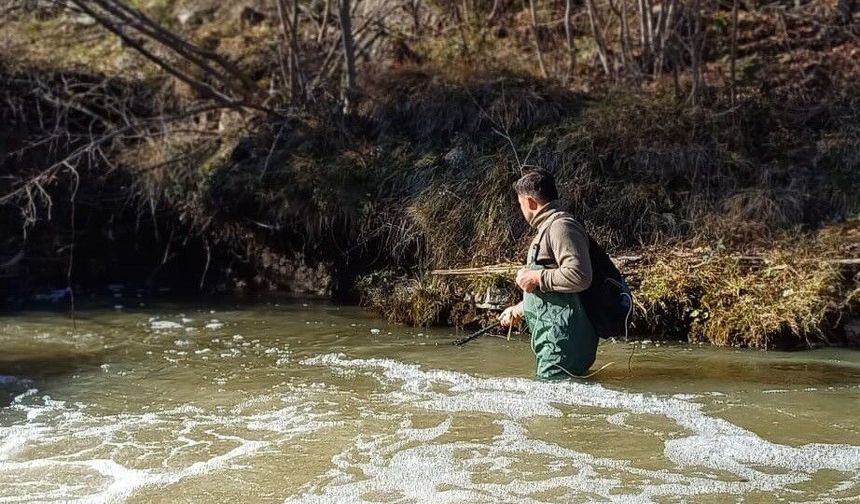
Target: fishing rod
463 341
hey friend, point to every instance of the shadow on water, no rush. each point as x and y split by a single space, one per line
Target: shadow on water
47 363
21 371
34 355
681 364
11 386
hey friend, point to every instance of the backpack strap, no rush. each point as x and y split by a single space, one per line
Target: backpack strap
535 250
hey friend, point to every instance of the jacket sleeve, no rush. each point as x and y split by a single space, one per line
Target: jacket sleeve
569 245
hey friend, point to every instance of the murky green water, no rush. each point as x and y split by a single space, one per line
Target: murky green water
293 403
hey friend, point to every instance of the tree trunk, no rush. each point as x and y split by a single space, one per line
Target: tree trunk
289 30
537 41
324 22
345 17
696 45
624 32
568 32
294 49
596 32
664 27
644 35
734 51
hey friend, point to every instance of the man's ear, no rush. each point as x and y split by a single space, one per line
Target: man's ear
533 204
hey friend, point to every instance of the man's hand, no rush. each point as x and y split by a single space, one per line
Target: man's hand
528 280
512 315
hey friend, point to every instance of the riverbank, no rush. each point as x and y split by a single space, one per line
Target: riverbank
740 200
798 292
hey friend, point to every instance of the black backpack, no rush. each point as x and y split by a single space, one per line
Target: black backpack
608 301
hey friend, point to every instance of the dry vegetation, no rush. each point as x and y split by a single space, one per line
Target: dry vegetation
247 147
792 294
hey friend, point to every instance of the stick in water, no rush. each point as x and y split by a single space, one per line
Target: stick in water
463 341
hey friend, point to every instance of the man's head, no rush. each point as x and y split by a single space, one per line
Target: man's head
534 190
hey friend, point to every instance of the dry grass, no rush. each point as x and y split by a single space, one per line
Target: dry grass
791 296
421 302
428 299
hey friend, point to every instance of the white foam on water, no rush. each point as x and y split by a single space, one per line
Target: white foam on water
409 443
164 325
711 456
63 453
122 481
617 418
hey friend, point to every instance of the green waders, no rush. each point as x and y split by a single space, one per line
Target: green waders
563 340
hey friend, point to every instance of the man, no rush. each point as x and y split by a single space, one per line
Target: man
557 269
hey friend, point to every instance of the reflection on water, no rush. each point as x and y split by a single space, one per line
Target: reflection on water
297 403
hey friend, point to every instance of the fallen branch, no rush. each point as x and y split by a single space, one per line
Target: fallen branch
485 270
11 263
497 269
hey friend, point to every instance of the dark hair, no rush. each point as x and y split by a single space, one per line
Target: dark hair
539 184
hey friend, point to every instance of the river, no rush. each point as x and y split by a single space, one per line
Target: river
310 402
